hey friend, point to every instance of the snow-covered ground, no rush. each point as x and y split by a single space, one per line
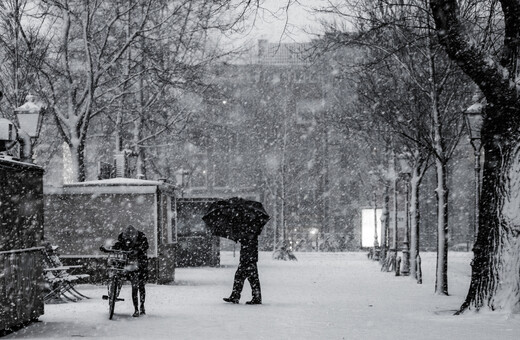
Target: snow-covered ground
321 296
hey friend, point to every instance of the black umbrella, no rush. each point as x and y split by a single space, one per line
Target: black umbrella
235 217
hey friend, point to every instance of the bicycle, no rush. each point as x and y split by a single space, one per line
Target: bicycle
118 267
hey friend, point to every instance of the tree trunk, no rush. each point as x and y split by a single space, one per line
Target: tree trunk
385 222
138 128
414 221
283 168
441 283
495 280
138 131
77 152
395 234
441 274
385 214
275 219
124 102
140 161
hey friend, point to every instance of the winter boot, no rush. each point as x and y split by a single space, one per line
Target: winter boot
142 310
254 301
231 300
136 314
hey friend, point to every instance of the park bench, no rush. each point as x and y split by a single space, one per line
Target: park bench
59 281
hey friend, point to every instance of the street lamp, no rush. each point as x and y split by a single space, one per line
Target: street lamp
474 121
406 170
29 117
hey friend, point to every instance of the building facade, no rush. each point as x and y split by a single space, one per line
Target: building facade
266 135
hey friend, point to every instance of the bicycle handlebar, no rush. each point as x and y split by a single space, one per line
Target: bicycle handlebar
110 250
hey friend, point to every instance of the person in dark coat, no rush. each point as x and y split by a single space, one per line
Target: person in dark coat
247 269
136 242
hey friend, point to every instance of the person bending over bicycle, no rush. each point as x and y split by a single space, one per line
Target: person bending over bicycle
136 242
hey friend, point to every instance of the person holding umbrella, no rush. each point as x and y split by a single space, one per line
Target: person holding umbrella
247 269
240 220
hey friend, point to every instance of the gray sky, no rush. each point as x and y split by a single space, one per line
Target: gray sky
297 21
277 23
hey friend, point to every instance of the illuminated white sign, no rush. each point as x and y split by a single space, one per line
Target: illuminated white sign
368 226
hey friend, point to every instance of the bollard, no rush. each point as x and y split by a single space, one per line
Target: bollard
406 263
419 270
398 266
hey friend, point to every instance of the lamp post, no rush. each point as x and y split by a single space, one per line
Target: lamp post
474 120
406 170
376 242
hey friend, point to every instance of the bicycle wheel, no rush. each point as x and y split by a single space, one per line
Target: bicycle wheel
112 297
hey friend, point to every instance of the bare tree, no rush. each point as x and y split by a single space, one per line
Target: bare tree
395 110
85 45
489 55
168 64
20 43
426 111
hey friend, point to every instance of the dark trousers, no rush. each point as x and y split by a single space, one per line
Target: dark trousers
138 280
247 271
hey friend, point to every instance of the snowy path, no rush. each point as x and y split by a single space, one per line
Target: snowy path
322 296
